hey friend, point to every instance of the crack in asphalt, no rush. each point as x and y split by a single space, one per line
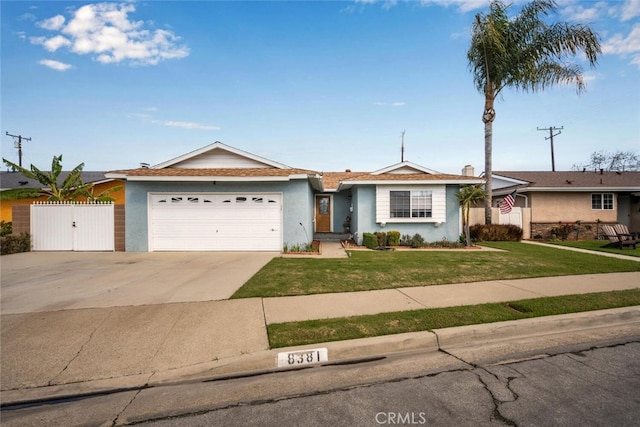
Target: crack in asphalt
490 387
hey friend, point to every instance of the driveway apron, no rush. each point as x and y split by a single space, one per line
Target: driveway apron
75 317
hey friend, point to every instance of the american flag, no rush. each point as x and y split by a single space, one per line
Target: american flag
507 203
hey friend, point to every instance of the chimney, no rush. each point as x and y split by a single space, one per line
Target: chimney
468 171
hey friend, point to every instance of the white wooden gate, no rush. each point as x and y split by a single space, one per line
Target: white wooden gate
514 217
72 227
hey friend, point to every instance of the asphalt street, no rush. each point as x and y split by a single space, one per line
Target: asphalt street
591 384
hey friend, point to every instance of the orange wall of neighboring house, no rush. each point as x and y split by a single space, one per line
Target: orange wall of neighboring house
6 206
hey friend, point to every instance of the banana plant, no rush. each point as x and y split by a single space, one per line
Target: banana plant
70 188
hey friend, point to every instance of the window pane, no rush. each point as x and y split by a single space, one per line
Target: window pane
607 201
421 204
596 201
400 204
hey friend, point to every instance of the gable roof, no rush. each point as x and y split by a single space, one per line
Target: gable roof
405 168
208 174
9 180
219 155
220 162
568 181
336 181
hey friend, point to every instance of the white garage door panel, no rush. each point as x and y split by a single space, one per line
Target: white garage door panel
183 222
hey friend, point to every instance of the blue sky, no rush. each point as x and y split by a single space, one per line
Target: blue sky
323 85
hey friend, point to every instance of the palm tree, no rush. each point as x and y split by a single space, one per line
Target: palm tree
69 189
524 53
467 196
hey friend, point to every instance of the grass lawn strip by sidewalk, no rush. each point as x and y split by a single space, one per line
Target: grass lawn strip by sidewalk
370 270
598 245
346 328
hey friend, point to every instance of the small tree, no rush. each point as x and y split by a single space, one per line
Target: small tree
69 189
616 161
467 196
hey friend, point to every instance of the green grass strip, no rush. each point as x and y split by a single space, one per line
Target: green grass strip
346 328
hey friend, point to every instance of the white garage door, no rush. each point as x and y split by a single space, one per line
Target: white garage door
215 222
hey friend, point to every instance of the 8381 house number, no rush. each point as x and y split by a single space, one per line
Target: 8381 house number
302 357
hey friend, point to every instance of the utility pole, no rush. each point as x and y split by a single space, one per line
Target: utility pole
550 137
18 145
402 148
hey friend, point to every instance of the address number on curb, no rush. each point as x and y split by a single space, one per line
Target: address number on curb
303 357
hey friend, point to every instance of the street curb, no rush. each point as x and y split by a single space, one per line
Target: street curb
464 336
263 362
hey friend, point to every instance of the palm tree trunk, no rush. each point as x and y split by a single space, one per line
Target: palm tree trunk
467 231
488 117
488 170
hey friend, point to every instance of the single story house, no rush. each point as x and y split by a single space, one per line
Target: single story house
221 198
589 197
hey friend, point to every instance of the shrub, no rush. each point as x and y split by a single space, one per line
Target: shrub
6 228
370 240
405 240
382 238
496 233
417 241
393 238
14 244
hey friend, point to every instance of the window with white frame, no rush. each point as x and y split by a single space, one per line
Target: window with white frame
418 204
602 201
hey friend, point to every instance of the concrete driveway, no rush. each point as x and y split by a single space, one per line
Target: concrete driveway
52 281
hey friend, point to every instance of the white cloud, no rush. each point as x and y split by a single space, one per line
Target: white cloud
105 31
54 65
190 125
462 5
390 104
55 43
54 23
630 9
577 12
621 45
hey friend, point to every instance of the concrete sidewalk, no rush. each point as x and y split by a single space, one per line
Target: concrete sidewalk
320 306
71 352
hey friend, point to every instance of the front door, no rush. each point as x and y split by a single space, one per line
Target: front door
323 214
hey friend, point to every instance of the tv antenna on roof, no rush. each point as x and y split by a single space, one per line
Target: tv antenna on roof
402 148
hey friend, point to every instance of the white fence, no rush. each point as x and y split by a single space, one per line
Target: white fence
63 226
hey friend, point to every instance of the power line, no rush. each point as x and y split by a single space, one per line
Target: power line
550 137
18 145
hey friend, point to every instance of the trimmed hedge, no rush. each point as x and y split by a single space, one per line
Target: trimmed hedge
382 238
496 233
15 244
370 240
393 238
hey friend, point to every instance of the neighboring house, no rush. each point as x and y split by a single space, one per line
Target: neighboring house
566 197
15 180
223 198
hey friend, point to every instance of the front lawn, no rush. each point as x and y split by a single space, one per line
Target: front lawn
598 245
369 270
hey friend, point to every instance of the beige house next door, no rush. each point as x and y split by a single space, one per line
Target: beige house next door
323 214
